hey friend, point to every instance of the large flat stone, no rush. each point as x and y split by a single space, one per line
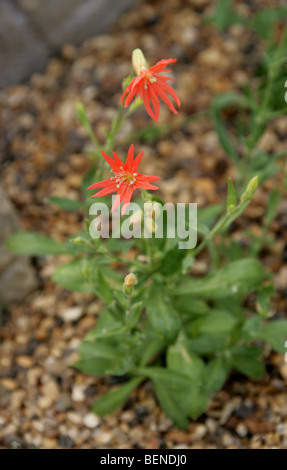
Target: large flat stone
17 277
61 21
22 50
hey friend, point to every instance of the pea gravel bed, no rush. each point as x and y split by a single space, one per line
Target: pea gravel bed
44 402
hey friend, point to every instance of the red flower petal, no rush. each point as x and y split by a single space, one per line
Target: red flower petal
127 198
101 184
108 159
130 157
168 89
117 159
116 203
136 162
160 66
106 191
164 97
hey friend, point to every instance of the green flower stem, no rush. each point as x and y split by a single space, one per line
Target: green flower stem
148 246
223 223
116 125
128 311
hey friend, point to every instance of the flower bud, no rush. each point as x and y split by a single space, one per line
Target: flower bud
250 190
139 62
136 217
151 225
78 241
130 280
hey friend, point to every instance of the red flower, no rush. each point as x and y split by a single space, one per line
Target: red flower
126 179
150 85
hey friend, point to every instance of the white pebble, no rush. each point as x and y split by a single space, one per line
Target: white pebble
71 314
91 420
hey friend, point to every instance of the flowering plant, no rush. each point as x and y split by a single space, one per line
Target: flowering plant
161 320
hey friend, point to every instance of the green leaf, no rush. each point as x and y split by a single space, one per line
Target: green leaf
161 313
151 348
190 397
113 400
208 344
81 275
172 261
228 99
272 204
66 204
224 15
103 357
275 333
218 321
263 21
251 327
170 406
135 314
238 277
107 326
104 289
216 374
71 275
231 197
245 359
82 114
34 244
263 302
173 381
224 138
193 308
194 401
181 358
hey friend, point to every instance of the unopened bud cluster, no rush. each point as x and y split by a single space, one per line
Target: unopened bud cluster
129 282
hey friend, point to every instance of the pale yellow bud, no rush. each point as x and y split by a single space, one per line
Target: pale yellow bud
139 62
136 217
250 190
130 280
151 225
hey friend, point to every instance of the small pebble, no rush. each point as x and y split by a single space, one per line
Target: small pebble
91 420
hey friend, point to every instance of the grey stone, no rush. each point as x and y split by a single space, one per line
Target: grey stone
72 20
21 50
17 277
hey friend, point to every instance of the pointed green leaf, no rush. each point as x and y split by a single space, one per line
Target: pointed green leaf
135 314
71 275
173 381
275 333
170 406
113 400
224 137
231 197
245 359
161 313
181 358
238 277
34 244
65 203
216 374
